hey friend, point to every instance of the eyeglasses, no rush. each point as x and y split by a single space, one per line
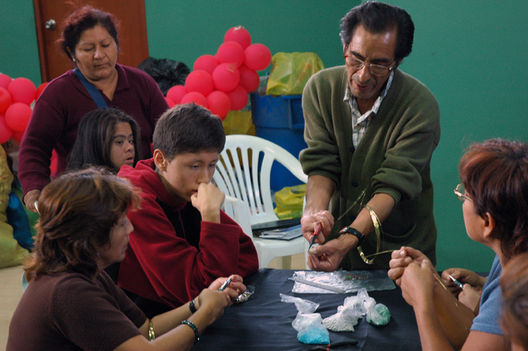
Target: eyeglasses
374 69
460 193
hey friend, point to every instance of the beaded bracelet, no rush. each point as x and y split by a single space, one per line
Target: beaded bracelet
194 328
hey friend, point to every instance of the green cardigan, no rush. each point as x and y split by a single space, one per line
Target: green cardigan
393 157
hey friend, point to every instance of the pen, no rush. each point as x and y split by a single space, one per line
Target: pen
225 285
459 284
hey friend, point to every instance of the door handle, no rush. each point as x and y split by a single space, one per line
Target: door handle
50 24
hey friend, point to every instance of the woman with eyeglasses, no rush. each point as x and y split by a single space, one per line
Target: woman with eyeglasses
494 193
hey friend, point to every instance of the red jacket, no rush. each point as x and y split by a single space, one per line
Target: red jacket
172 253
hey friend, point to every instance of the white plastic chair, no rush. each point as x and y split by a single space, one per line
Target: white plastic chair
243 174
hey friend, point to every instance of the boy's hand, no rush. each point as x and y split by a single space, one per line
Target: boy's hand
208 200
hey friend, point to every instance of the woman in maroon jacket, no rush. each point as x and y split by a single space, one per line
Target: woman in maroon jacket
90 41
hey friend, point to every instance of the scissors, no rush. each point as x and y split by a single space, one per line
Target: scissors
317 231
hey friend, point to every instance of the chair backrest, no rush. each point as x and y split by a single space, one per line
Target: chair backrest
244 170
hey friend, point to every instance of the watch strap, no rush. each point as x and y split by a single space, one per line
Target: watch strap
355 232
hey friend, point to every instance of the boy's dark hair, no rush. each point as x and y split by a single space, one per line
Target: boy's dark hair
95 136
378 17
188 128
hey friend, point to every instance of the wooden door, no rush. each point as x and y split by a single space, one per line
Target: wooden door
49 19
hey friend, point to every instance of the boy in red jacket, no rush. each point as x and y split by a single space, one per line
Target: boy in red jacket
182 240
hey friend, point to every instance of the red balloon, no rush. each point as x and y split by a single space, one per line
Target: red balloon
238 34
230 52
4 80
176 93
206 63
170 102
22 90
239 98
5 132
249 79
17 116
258 57
195 97
40 89
219 103
5 99
226 77
199 81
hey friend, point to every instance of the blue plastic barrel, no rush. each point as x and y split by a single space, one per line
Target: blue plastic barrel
280 119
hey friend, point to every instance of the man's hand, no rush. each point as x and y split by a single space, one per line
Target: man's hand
400 259
328 257
208 200
31 197
310 220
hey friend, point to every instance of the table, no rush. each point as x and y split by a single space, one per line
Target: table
264 322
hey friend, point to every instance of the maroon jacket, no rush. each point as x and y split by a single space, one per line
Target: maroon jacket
62 105
172 253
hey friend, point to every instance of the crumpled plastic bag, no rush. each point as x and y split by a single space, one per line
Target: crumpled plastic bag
309 325
290 72
310 329
302 305
378 315
354 308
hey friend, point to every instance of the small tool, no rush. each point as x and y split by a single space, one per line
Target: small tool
226 284
317 230
458 283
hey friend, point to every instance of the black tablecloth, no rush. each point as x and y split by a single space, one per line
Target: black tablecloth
264 322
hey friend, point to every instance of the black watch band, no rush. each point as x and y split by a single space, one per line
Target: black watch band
355 232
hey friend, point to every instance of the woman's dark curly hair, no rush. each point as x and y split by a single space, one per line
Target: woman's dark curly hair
495 176
85 18
77 213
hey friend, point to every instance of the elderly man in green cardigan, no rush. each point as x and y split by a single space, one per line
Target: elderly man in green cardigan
371 130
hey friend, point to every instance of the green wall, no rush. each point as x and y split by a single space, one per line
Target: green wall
469 53
185 30
472 56
18 40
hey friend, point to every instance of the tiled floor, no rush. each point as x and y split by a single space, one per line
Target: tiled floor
11 290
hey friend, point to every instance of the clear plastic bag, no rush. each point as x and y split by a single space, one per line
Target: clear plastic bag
302 305
309 325
340 282
310 329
